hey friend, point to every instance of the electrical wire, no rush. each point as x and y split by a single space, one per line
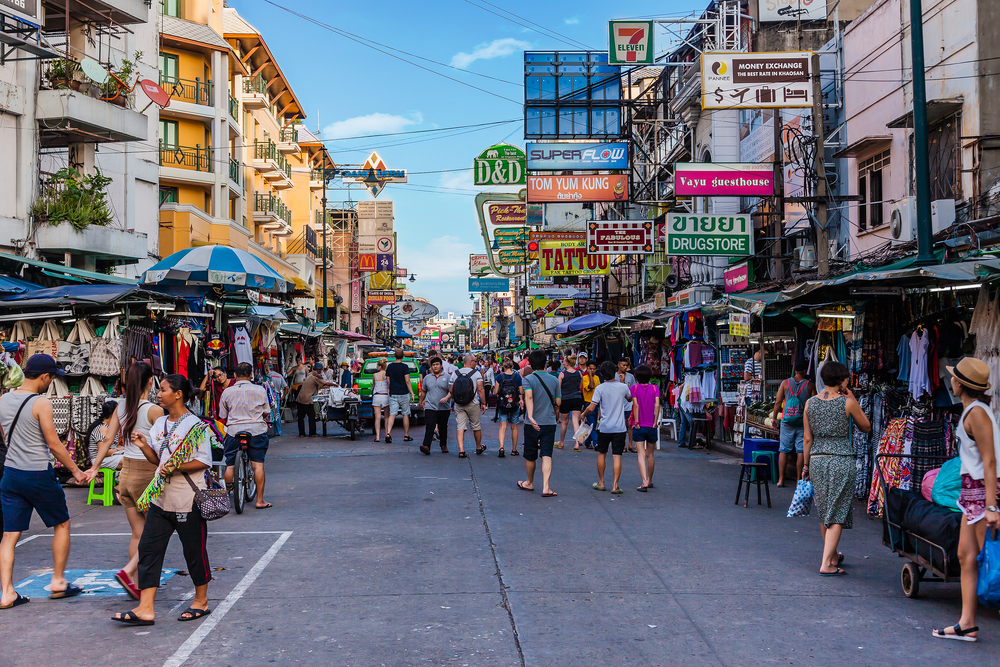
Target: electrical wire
523 22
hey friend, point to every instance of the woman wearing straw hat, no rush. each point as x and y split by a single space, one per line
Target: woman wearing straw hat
978 442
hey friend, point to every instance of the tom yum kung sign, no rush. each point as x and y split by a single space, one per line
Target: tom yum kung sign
700 179
725 235
599 187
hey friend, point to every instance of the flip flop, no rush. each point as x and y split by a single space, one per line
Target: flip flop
550 494
617 492
598 487
70 592
959 633
521 486
839 573
265 506
130 618
576 449
16 603
407 438
195 614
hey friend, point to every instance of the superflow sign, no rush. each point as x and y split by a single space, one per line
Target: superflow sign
756 80
630 43
725 235
500 165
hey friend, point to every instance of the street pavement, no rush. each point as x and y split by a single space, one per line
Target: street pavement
377 555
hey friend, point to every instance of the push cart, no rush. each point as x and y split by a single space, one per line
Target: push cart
339 405
929 557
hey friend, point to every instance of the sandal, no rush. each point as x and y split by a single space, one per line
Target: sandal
559 446
131 618
388 439
598 487
617 492
515 453
463 455
576 449
194 614
480 450
501 453
642 489
407 438
959 634
550 494
70 592
521 486
377 440
16 603
839 572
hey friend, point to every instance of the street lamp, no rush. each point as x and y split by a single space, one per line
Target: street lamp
413 278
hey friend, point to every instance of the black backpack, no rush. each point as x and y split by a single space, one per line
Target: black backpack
508 393
464 389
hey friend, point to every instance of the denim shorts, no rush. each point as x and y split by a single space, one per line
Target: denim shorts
791 438
399 404
256 449
513 418
644 434
24 490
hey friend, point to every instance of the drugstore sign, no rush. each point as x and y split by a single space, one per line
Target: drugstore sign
570 258
723 235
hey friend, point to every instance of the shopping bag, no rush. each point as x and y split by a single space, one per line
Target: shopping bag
87 406
988 585
801 500
47 341
74 352
106 351
59 396
582 433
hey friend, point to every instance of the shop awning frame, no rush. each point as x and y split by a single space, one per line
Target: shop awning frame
68 273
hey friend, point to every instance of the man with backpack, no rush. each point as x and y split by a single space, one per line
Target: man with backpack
510 397
541 405
792 395
470 403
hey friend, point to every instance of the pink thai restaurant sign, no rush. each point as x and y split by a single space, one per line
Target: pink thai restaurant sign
735 179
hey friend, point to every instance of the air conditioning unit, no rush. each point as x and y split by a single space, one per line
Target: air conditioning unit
804 258
903 220
942 214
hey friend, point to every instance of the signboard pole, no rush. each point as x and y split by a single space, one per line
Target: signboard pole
323 210
822 235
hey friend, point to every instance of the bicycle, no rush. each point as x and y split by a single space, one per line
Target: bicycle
244 483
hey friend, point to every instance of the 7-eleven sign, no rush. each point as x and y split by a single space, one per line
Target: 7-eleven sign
630 42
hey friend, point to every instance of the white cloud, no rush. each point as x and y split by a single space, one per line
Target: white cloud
461 180
375 123
571 21
498 48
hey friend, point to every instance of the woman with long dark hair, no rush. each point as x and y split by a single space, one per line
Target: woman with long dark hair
179 444
96 433
134 415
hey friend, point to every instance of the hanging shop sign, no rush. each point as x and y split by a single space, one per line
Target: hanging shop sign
725 235
514 213
576 157
382 280
620 237
640 309
479 265
401 272
511 237
542 307
737 278
502 164
385 244
374 174
501 302
739 324
366 262
756 80
757 130
513 256
381 297
356 296
489 285
630 43
23 9
577 188
570 258
708 179
791 10
374 227
384 262
558 236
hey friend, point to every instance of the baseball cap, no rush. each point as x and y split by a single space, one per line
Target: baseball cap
318 366
40 364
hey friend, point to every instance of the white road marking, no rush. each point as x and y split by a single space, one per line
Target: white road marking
27 539
184 598
198 636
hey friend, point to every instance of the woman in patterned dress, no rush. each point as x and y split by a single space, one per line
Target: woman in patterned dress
829 459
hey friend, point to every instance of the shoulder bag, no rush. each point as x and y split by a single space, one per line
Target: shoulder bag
106 351
87 405
47 341
74 352
59 396
547 391
213 502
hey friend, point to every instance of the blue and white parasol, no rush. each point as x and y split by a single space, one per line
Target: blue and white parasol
215 265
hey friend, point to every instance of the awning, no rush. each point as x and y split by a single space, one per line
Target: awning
585 322
269 312
348 335
81 295
936 110
66 272
864 145
12 285
300 288
296 329
330 298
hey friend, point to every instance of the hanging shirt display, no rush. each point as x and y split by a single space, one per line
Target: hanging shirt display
242 346
919 382
903 350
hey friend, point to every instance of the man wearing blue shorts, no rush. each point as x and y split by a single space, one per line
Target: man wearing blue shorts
29 481
791 401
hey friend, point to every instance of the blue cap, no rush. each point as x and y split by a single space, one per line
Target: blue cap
39 364
318 366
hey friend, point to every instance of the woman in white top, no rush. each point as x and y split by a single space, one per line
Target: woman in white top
134 415
979 450
180 443
380 396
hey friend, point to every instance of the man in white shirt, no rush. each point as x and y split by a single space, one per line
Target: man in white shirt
611 396
244 408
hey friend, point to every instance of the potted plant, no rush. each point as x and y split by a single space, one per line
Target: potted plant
122 80
69 196
61 72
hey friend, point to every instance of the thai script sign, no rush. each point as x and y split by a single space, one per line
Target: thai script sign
726 235
600 187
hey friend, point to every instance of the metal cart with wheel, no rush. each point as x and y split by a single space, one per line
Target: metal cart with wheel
341 406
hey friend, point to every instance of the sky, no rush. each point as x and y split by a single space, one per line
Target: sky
349 89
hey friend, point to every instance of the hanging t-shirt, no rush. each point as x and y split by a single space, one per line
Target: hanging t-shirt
903 351
242 346
919 382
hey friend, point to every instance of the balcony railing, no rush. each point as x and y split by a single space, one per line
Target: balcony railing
186 157
235 173
196 92
234 108
289 135
255 84
268 203
268 150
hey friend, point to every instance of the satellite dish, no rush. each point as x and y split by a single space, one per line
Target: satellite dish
94 71
155 93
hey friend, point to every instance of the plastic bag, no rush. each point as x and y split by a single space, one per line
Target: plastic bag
801 500
988 585
582 433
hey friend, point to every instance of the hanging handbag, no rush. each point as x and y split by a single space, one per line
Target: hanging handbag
74 352
22 332
87 406
106 351
47 341
213 502
59 396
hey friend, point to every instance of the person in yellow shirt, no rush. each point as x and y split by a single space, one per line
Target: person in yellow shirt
587 386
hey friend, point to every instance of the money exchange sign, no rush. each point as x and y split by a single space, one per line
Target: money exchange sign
756 80
725 235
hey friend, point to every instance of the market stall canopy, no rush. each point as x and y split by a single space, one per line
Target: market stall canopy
232 268
12 285
269 312
296 329
52 273
82 295
585 322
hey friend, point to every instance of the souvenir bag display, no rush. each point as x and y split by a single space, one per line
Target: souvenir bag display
59 396
106 351
87 405
74 352
21 332
47 341
13 376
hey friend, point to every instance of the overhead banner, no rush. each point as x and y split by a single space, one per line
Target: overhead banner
791 10
502 164
541 307
756 80
381 297
489 285
720 179
576 157
570 258
630 43
725 235
514 213
602 187
620 237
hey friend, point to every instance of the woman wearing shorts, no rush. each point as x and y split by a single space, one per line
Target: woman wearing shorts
134 415
572 399
380 396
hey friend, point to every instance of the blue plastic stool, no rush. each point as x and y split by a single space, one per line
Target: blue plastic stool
772 463
107 494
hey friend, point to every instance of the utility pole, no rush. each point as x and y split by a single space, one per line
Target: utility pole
822 234
323 211
921 163
778 214
336 308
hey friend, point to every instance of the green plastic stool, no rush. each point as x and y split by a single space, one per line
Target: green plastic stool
772 459
107 494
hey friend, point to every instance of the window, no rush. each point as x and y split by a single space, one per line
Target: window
871 209
944 157
168 133
170 8
168 67
571 94
168 195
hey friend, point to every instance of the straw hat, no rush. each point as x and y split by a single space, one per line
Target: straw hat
972 373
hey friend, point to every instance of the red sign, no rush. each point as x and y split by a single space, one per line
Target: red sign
616 237
577 188
366 262
558 236
737 278
508 214
701 179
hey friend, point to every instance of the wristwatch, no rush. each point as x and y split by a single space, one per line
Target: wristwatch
992 508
